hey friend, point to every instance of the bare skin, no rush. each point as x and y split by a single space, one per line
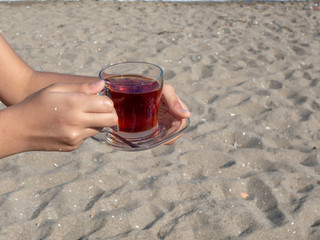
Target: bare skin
55 112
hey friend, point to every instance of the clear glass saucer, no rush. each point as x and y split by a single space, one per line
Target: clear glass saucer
169 127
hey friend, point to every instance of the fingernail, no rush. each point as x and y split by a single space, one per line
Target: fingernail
184 110
97 83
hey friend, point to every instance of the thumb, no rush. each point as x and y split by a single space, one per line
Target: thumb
80 87
175 106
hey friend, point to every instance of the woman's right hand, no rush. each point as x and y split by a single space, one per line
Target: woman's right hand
59 117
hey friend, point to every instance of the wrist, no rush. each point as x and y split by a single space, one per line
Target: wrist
13 137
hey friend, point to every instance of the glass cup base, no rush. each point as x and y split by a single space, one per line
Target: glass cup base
136 136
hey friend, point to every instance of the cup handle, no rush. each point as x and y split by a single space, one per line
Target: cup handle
104 92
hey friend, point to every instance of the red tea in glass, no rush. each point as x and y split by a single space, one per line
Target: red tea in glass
135 89
137 107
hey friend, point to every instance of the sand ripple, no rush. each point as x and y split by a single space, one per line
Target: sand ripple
247 168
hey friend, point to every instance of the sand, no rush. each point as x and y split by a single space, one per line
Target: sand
248 166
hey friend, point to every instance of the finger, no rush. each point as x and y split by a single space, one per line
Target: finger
100 120
97 104
175 106
89 132
72 144
80 87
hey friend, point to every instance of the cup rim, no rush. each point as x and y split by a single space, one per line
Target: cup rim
160 75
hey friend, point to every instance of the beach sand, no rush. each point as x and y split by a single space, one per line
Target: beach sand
248 166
